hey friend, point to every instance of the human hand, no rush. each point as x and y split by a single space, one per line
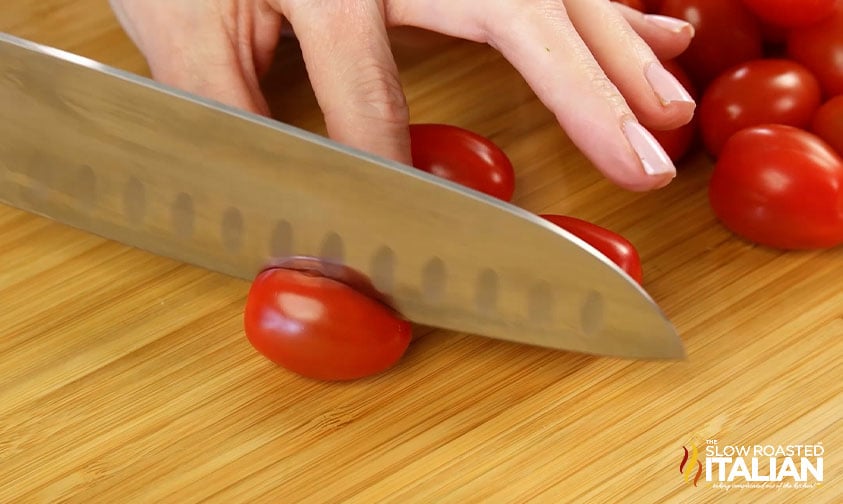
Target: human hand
593 63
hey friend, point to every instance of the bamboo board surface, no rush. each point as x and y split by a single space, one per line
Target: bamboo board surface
126 377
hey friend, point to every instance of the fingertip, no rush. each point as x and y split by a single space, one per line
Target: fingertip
628 155
667 87
668 37
654 160
630 176
673 107
672 24
635 180
652 167
666 117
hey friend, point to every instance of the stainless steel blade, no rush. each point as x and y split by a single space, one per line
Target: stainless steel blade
133 161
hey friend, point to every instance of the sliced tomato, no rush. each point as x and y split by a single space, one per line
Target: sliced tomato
321 328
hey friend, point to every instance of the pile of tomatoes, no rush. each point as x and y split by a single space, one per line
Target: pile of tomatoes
768 75
768 79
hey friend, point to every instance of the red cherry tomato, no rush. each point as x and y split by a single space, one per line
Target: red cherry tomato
757 92
791 13
677 142
463 157
322 328
828 123
614 246
820 48
726 33
635 4
781 187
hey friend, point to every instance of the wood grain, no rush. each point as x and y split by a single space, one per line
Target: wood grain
125 377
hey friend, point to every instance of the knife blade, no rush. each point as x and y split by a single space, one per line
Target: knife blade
134 161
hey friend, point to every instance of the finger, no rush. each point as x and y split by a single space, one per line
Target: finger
346 50
540 41
215 72
266 28
668 37
653 93
202 53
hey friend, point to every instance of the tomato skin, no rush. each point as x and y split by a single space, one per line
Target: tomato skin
779 186
828 123
612 245
677 142
321 328
820 48
464 157
791 13
757 92
726 33
652 6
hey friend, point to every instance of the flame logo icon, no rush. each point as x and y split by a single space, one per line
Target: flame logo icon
689 460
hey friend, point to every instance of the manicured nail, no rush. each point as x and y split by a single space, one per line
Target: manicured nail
670 23
667 88
653 157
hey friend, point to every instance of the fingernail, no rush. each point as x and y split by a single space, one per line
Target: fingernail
653 157
666 86
670 23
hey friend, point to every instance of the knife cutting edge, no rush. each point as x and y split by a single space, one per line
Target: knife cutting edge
134 161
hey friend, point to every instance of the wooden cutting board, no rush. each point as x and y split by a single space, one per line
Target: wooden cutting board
126 377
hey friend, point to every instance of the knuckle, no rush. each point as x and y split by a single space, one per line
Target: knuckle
601 86
380 94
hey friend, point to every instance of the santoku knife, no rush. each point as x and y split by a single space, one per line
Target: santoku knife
152 167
